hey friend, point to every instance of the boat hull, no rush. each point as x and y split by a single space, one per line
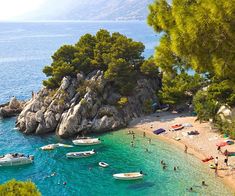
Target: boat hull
78 155
16 162
128 176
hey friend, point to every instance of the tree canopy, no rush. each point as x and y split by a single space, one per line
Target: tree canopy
19 188
118 56
199 34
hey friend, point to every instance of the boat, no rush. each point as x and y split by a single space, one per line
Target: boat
87 141
103 164
207 159
83 154
129 176
15 159
53 146
177 127
49 147
159 131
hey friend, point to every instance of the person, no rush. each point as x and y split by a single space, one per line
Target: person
141 172
226 152
132 143
216 166
203 183
144 134
185 148
146 149
162 162
164 167
219 149
174 168
190 189
149 140
226 160
133 136
129 132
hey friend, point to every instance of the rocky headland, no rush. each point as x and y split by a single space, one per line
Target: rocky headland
85 104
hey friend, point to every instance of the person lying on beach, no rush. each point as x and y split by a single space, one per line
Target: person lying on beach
203 183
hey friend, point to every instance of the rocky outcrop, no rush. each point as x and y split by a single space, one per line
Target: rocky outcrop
84 104
226 113
12 108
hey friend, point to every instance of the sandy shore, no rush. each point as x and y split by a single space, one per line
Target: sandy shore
200 146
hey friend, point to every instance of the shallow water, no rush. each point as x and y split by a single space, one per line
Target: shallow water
85 177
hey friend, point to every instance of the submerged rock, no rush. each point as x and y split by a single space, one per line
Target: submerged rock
12 108
84 104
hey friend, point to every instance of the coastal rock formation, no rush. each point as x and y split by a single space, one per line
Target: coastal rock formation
12 108
88 104
226 113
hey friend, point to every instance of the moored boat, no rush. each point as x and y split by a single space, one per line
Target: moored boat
86 142
83 154
177 127
129 176
103 164
15 159
49 147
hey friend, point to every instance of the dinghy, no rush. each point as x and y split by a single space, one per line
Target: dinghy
15 159
129 176
83 154
103 164
87 141
177 127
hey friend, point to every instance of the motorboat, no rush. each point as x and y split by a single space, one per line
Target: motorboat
103 164
87 141
129 176
83 154
15 159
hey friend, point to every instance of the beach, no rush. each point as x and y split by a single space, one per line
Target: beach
201 146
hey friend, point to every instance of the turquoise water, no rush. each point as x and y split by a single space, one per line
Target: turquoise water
85 177
24 50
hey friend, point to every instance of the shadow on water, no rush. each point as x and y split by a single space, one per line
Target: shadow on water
142 185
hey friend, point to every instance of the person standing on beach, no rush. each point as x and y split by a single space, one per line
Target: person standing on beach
226 160
185 148
216 166
219 149
149 140
144 134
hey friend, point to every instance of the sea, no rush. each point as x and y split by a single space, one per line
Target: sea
25 48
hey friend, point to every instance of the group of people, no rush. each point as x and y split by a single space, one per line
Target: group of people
133 139
216 160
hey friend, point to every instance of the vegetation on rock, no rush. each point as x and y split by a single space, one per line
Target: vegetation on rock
118 56
19 188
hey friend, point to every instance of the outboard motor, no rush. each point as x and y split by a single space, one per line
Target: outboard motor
31 157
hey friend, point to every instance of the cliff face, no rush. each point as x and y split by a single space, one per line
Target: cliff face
84 104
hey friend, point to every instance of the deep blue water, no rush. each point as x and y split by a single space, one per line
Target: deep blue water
24 50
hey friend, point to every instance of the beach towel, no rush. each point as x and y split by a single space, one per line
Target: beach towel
158 131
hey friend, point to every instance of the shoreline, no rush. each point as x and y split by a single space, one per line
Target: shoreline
197 145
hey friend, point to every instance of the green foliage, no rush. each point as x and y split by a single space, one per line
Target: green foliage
199 32
179 88
148 106
103 51
122 101
19 188
149 68
205 105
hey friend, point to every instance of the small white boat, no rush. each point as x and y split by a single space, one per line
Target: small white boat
49 147
129 176
53 146
15 159
83 154
103 164
87 141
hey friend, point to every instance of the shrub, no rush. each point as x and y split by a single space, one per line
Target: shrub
122 101
19 188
